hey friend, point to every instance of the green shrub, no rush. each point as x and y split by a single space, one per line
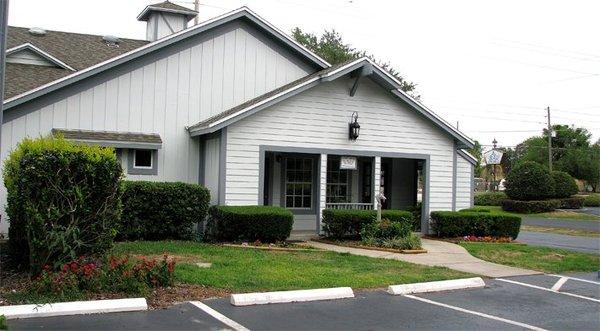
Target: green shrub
592 200
489 198
264 223
412 241
571 203
385 230
564 184
159 210
339 223
3 325
63 201
476 210
416 212
529 181
458 224
530 207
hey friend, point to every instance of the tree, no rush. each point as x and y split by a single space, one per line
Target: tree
583 163
566 138
533 149
509 159
332 49
477 152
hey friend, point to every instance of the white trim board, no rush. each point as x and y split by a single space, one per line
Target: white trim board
38 51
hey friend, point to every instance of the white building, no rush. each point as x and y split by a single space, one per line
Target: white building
235 104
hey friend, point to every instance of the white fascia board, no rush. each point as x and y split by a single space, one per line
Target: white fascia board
418 103
168 40
467 156
166 10
41 53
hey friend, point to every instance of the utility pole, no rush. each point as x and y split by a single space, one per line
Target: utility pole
3 32
197 8
549 140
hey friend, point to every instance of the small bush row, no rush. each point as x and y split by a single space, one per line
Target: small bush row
571 203
459 224
234 223
530 207
489 198
76 279
592 200
340 223
390 234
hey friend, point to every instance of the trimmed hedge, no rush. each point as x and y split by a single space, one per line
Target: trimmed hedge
458 224
571 203
339 223
529 181
385 229
162 210
489 198
264 223
63 201
564 184
476 210
530 207
592 200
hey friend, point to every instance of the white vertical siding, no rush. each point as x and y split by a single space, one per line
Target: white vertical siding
318 118
464 180
164 96
211 168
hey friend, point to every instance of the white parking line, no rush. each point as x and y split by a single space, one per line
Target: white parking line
559 284
577 279
222 318
519 324
547 289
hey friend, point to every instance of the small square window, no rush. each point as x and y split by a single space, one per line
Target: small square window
142 158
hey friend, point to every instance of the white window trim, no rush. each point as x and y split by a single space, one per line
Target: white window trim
143 167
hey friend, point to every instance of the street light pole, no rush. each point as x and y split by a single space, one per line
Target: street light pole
549 140
495 187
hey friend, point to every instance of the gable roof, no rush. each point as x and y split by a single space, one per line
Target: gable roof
467 156
166 7
40 53
77 51
379 75
242 12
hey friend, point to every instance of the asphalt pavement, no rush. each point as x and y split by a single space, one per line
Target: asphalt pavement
572 243
562 223
524 302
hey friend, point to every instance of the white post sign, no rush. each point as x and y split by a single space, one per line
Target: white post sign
348 163
493 157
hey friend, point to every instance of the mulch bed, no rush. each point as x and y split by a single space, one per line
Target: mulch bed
357 244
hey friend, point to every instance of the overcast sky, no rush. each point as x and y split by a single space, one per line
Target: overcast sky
491 66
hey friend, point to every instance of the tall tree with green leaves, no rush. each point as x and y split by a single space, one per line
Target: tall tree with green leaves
477 152
331 47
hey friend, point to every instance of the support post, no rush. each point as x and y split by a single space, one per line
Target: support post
322 191
376 180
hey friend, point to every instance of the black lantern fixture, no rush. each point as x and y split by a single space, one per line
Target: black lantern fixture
354 127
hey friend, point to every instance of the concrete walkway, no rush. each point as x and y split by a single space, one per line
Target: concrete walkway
439 253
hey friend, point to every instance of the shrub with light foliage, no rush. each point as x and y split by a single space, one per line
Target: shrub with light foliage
63 201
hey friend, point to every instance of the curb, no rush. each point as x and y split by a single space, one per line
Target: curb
74 308
264 298
444 285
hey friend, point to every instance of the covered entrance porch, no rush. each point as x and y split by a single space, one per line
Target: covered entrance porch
306 182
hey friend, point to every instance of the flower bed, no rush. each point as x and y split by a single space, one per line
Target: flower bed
363 245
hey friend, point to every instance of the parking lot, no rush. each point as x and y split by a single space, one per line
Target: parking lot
527 302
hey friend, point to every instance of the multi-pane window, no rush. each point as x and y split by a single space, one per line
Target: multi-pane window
298 182
338 182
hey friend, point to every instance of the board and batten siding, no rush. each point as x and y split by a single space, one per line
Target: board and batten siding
318 118
163 93
464 183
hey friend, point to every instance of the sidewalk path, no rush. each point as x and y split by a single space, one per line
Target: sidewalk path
439 253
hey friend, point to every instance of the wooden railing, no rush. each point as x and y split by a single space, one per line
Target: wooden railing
349 205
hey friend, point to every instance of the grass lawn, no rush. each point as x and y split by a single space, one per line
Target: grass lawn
570 232
544 259
559 214
246 270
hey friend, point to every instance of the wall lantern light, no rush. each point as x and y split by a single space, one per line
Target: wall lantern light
354 127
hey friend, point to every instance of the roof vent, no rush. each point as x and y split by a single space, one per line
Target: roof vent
111 41
37 31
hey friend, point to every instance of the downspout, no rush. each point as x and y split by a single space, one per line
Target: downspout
3 32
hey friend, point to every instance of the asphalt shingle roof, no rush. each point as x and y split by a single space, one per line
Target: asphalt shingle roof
168 6
77 50
136 137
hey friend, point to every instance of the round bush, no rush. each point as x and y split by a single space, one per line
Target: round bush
564 184
529 181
